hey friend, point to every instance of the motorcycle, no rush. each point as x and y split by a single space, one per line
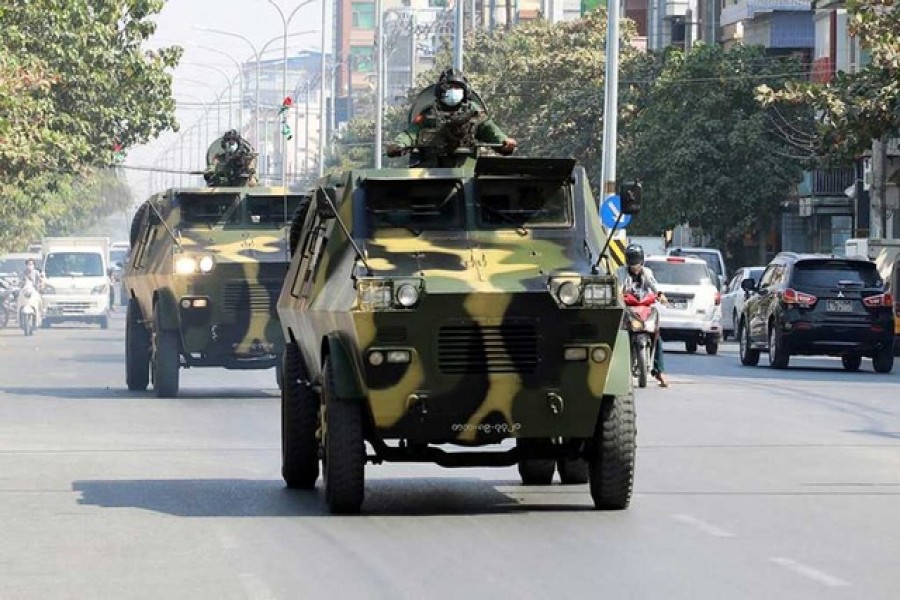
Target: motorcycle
29 308
7 303
642 323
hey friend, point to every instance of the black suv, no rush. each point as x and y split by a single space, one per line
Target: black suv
816 304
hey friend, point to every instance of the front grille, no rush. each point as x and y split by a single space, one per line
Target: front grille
510 347
245 296
73 307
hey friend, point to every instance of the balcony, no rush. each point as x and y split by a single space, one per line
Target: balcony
826 182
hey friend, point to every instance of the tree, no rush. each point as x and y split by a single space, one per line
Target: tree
706 151
855 108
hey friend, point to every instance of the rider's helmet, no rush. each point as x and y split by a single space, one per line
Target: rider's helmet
452 88
231 141
634 255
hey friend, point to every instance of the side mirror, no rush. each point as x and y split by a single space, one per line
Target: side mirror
324 206
630 197
748 285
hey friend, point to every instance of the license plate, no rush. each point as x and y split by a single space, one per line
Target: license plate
841 306
678 305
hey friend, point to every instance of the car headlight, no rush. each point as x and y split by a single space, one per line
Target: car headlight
637 324
407 295
206 264
568 293
185 265
100 289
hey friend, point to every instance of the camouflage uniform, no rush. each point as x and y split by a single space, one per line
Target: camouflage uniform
228 167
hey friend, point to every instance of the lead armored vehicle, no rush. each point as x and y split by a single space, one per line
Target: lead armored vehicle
204 275
461 306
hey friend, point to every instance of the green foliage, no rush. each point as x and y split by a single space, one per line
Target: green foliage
706 151
75 85
856 108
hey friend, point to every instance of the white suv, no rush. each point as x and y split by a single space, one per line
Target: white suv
693 315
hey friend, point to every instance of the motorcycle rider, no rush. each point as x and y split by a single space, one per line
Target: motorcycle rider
637 279
31 273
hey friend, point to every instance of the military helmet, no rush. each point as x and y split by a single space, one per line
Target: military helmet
447 77
634 255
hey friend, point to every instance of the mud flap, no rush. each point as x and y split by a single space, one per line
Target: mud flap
347 380
618 379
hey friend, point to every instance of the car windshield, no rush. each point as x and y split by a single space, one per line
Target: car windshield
679 273
710 258
834 273
8 266
505 202
117 256
74 264
417 206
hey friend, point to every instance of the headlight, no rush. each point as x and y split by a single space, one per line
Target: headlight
206 264
374 295
407 295
637 324
185 265
600 293
568 293
100 289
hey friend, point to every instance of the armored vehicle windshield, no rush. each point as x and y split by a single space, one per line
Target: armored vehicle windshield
234 210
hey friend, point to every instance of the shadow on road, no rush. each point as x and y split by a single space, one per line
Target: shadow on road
95 393
267 498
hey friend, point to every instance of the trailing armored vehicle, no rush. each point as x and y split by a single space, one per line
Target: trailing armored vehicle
205 271
464 306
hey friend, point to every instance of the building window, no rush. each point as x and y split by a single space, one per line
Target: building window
363 15
438 3
363 58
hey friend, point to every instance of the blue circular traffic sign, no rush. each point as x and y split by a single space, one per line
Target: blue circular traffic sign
610 210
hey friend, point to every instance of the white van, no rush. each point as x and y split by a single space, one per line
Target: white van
77 280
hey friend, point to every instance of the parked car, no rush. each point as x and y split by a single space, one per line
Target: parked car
693 315
819 305
733 297
711 256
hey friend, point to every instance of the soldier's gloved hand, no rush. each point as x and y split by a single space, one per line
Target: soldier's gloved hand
508 146
393 150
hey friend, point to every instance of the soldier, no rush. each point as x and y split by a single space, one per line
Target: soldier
456 119
231 161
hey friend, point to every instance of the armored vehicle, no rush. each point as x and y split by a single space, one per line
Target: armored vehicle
205 271
462 306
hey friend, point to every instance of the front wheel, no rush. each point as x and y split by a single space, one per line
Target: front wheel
137 349
749 355
345 450
690 347
778 355
883 361
612 454
641 364
166 359
299 423
851 361
712 347
573 471
28 324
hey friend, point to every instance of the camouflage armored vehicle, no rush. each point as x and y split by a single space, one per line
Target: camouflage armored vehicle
205 271
467 306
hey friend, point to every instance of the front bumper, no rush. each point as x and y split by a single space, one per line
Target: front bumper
685 330
57 306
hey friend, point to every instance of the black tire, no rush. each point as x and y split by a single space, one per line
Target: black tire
4 317
136 223
640 359
345 450
690 347
712 347
166 359
778 355
851 362
28 325
573 471
46 323
749 356
612 454
279 373
104 322
299 424
137 349
883 361
537 471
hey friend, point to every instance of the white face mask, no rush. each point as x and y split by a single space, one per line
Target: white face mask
452 96
231 147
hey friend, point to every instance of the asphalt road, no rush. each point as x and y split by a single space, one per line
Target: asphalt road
750 484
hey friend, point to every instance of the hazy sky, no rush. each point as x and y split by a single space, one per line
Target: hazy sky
257 20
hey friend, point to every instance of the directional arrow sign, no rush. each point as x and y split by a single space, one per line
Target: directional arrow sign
610 211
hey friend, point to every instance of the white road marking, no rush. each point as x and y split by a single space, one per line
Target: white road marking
810 572
703 526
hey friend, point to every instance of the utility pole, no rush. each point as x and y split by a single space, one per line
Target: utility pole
379 79
458 32
611 101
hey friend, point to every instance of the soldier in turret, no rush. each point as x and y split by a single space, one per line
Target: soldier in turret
231 161
455 119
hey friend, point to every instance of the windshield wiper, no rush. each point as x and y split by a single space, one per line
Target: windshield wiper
520 227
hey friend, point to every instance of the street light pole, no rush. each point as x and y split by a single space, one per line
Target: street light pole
228 81
379 83
458 37
322 130
240 70
611 101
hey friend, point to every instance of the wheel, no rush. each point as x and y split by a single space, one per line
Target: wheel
691 346
345 450
641 366
166 359
537 471
299 424
851 361
883 361
297 225
778 355
573 471
137 349
28 325
612 455
749 356
104 322
712 347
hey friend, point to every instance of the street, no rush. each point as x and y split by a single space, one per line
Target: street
750 483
